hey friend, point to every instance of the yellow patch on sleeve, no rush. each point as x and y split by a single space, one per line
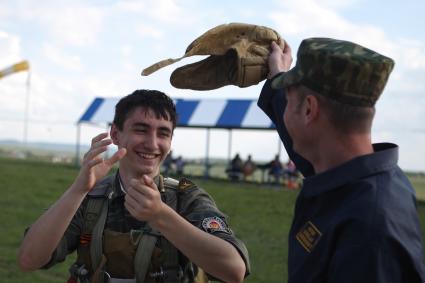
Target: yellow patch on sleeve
308 236
185 183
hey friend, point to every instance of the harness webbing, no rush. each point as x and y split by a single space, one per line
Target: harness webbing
143 256
94 224
96 252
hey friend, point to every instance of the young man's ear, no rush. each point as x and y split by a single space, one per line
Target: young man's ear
114 134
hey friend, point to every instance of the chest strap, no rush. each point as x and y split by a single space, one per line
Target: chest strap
98 260
144 252
172 271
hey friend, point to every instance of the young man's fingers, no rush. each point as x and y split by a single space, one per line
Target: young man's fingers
150 184
117 156
130 208
102 142
99 137
95 161
138 189
147 180
130 199
95 152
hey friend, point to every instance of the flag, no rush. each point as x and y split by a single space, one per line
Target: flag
18 67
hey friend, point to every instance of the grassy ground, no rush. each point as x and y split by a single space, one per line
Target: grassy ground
260 216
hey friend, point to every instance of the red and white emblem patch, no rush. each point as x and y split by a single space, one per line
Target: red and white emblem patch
214 224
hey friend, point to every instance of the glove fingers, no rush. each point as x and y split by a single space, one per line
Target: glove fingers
210 73
259 50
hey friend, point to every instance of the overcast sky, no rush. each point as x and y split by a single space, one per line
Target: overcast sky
79 50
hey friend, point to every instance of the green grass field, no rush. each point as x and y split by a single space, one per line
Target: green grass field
260 215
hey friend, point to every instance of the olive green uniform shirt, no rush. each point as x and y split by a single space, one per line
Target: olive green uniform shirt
194 204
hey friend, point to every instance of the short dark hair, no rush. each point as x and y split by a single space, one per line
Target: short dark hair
160 103
344 117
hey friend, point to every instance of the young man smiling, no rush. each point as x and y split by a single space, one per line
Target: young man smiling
136 226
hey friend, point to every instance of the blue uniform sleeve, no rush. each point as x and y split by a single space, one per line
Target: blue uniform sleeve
373 263
273 103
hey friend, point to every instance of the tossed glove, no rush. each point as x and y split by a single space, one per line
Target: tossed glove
238 52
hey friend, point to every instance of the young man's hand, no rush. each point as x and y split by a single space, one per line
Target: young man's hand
94 167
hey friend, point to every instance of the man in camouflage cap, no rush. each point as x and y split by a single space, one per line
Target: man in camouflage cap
355 218
135 226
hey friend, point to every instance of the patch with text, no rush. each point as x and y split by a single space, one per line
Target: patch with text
214 224
308 236
185 183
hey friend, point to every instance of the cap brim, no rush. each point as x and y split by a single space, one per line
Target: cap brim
285 79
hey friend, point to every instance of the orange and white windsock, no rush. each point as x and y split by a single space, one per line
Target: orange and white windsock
18 67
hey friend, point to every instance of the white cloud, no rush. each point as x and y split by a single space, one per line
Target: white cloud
149 31
159 11
59 57
167 11
307 18
131 6
10 49
78 25
70 22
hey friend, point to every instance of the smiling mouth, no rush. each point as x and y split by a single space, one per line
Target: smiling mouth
148 156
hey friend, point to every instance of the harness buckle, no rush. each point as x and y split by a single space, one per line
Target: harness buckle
169 273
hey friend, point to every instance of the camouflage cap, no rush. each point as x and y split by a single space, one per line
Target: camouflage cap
341 70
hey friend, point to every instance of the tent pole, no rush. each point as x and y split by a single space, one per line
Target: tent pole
279 146
229 152
106 155
27 103
207 165
77 151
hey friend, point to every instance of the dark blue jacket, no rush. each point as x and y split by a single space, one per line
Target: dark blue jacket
357 222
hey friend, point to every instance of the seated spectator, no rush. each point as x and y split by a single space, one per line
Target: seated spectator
276 169
179 165
234 170
291 174
168 163
248 167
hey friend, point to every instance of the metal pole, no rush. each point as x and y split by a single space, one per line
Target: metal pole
279 146
229 152
27 101
106 155
77 151
207 165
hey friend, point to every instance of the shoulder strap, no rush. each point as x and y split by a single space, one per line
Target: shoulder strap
96 242
143 255
168 188
94 214
171 261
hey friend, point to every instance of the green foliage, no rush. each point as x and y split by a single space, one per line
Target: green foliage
259 214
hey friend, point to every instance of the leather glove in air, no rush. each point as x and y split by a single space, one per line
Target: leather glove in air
238 56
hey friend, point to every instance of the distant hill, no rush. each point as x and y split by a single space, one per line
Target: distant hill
43 146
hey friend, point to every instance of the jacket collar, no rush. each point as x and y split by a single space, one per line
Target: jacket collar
384 157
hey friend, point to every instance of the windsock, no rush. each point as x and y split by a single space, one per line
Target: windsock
18 67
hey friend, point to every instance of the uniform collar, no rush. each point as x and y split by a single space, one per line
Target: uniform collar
384 157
